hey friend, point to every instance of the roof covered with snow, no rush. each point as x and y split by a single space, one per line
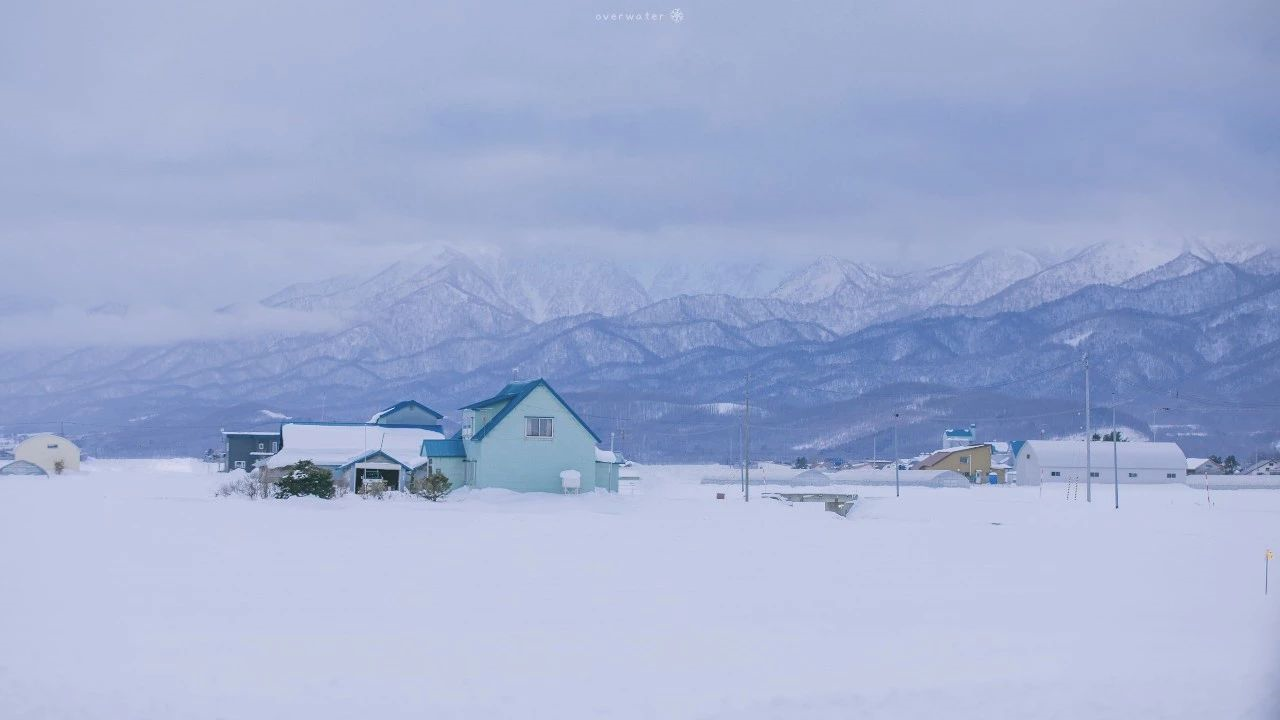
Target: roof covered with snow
341 444
938 456
255 433
1071 454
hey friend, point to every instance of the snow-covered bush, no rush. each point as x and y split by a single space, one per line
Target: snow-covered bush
432 487
305 478
376 489
240 484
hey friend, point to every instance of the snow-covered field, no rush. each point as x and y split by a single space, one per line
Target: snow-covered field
129 591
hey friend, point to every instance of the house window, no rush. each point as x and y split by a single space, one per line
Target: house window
275 445
1055 473
52 447
538 427
1133 475
373 474
262 446
239 464
1171 476
1093 474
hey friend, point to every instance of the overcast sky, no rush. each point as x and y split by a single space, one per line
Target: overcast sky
169 153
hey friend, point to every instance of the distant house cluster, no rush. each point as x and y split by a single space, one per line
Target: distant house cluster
524 438
1031 462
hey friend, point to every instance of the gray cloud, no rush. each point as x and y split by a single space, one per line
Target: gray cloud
194 155
123 326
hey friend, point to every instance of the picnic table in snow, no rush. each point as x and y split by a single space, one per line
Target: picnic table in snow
838 503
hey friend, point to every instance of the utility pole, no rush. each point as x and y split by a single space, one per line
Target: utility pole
897 485
746 442
1115 448
1088 437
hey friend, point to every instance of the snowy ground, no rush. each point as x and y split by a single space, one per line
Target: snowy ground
128 591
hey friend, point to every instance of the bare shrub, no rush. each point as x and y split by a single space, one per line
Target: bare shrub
242 485
376 489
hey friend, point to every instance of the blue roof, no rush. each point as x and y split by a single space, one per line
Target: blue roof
511 390
514 393
452 447
960 432
369 454
406 404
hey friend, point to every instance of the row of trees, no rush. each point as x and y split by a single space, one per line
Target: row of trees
1230 465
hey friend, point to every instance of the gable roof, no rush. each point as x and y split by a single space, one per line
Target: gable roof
509 391
404 404
513 394
938 456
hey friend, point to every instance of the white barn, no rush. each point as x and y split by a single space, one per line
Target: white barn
1064 461
53 453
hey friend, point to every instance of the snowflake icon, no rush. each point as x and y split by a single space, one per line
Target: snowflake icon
677 15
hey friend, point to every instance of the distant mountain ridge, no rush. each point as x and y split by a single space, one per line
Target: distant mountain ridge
833 349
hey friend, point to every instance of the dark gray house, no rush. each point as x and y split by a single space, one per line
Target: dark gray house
245 449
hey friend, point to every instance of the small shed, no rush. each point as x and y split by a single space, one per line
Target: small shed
52 453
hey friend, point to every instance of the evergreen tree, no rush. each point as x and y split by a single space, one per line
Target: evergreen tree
432 487
305 478
1230 465
801 463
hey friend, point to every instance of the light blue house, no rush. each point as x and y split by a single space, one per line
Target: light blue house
522 439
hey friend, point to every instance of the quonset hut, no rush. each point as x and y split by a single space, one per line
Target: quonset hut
1064 461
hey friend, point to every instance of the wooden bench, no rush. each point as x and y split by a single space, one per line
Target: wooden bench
838 503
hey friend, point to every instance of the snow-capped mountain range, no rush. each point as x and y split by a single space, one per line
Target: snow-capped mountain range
1184 338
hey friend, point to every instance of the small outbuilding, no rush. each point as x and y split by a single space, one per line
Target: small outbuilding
1065 461
1204 466
52 453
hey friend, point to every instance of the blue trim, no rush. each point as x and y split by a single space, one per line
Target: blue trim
404 404
508 392
525 389
369 454
436 428
444 448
